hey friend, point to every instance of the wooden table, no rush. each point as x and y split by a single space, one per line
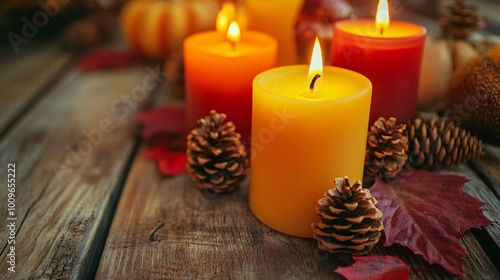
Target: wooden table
89 205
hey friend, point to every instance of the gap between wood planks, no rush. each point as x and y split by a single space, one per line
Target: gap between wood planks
97 248
486 165
92 263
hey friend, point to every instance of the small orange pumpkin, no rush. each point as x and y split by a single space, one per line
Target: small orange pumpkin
155 28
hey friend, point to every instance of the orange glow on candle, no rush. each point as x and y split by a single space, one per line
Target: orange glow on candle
315 75
233 33
382 18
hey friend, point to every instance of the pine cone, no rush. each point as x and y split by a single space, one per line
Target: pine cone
437 143
216 158
348 220
386 149
460 21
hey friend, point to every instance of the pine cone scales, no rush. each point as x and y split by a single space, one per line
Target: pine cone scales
386 149
460 21
348 220
437 143
216 157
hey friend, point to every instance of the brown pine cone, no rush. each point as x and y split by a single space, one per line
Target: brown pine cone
439 143
386 149
460 21
349 221
217 160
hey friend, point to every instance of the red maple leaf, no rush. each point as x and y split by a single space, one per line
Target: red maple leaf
164 131
170 163
106 59
428 213
164 120
375 268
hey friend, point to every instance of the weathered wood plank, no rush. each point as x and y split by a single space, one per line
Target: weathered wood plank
198 237
167 228
488 168
71 151
26 75
491 209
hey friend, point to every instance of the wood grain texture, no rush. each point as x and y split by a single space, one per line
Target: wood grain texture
166 228
26 75
201 237
68 182
491 209
488 167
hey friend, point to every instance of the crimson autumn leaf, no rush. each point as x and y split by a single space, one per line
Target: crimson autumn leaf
106 59
428 213
164 120
164 130
170 163
375 268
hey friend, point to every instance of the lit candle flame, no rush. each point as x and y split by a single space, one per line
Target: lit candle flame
225 15
233 33
315 75
382 19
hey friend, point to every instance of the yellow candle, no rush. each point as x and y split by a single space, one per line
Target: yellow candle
304 137
277 18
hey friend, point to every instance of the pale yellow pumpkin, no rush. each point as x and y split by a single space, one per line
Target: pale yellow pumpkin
439 62
156 28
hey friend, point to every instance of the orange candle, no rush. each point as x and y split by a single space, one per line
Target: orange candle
219 73
389 54
308 127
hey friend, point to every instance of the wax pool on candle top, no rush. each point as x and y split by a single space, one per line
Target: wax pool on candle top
398 29
300 144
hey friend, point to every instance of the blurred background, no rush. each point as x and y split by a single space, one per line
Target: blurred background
95 20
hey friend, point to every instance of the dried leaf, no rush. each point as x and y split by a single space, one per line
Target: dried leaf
106 59
164 120
164 130
173 165
170 163
428 213
375 268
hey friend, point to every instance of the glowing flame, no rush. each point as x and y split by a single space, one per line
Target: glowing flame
225 15
315 75
382 19
233 33
222 22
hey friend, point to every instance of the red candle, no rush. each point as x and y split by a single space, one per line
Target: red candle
219 73
389 54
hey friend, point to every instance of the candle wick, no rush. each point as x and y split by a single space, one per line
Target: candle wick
234 46
311 86
381 31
